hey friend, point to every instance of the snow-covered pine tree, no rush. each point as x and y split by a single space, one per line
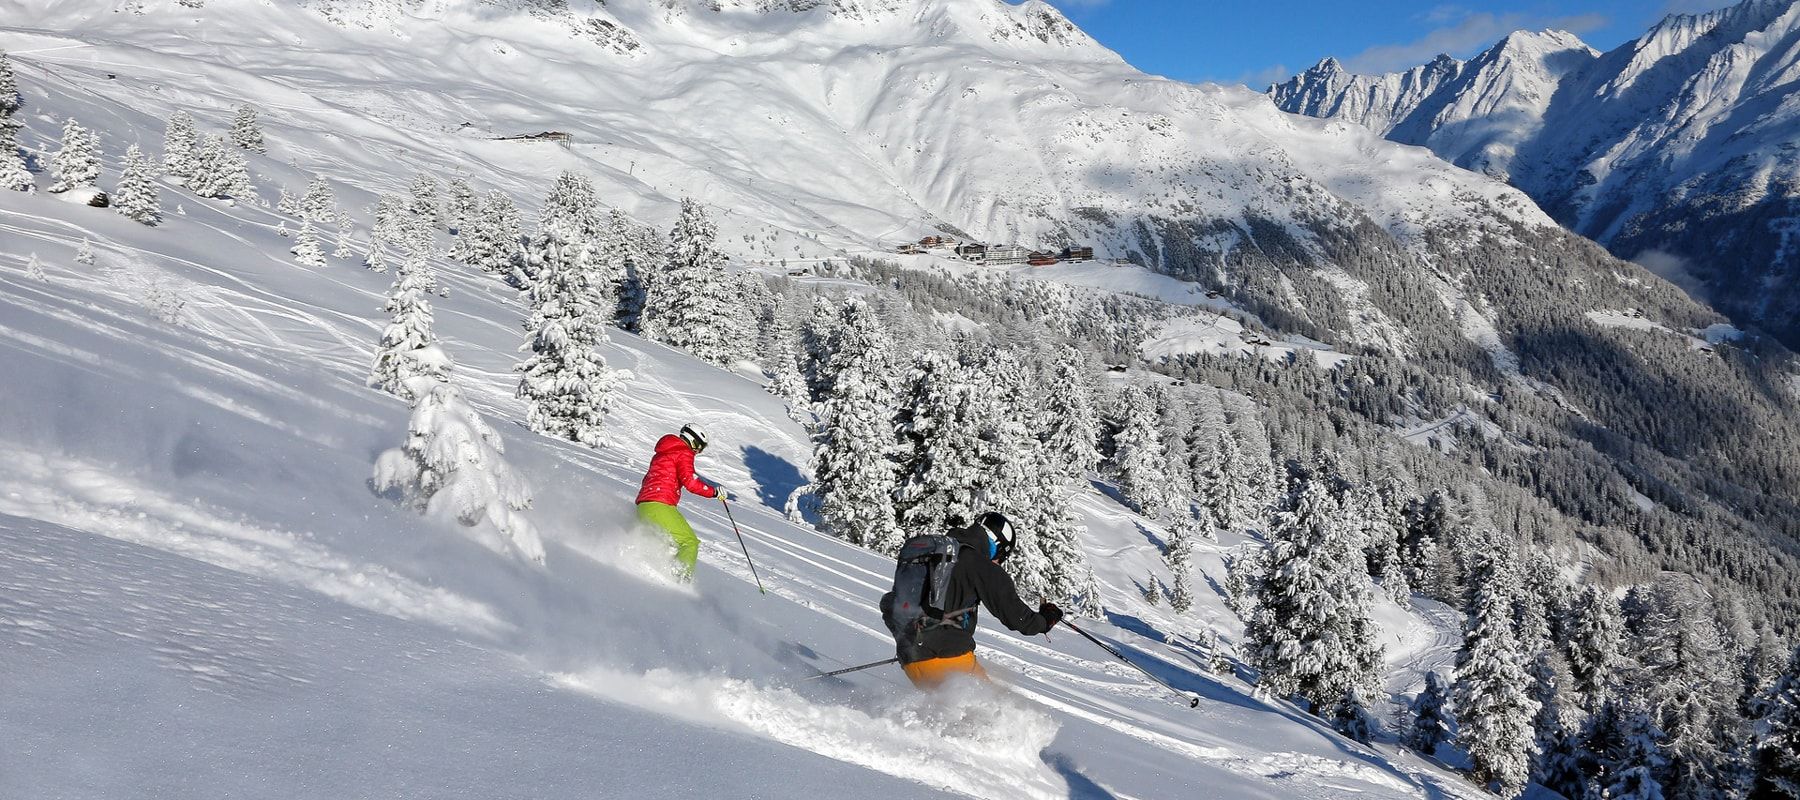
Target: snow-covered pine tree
1381 540
135 196
10 99
246 131
1012 467
1068 576
689 303
756 301
1178 557
221 172
491 236
14 176
390 216
1592 645
1218 654
1763 662
815 338
940 451
1310 632
1776 762
573 210
785 378
1494 709
1680 673
854 479
375 252
1351 716
459 205
566 385
1632 767
281 229
85 253
425 203
77 162
389 226
317 204
645 252
1226 486
1427 526
181 148
1071 424
1152 590
306 248
34 269
1175 420
344 240
573 205
285 203
408 347
1045 394
1244 570
1554 759
619 249
1387 526
453 464
1428 727
1140 459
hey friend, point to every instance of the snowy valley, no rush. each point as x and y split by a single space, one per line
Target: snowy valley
222 573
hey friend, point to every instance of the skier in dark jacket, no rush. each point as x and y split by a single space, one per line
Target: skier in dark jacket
977 580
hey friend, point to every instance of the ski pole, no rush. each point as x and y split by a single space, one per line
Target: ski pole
847 670
740 535
1193 700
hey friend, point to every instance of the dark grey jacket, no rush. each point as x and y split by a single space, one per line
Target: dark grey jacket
976 581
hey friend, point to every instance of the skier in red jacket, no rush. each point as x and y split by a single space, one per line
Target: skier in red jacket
671 470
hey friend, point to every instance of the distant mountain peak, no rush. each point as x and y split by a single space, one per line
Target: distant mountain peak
1678 141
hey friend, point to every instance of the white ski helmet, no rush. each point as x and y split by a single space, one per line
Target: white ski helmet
694 436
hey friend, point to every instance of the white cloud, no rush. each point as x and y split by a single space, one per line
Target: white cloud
1261 78
1468 34
1444 15
1674 269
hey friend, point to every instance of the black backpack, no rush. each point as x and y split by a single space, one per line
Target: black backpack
922 587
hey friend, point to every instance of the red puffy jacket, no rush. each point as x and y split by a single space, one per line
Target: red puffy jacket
671 469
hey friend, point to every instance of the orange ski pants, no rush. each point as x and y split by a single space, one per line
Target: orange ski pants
932 672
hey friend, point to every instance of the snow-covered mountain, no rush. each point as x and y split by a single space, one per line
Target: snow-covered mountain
206 592
203 596
1677 143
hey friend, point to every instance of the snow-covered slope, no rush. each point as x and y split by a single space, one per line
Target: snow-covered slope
189 411
202 596
1680 141
870 122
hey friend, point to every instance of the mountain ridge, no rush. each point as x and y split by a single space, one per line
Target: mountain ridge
1673 144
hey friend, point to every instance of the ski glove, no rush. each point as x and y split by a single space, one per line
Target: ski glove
1051 614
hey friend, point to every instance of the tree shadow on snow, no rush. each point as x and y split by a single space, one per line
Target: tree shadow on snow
1214 584
776 477
1080 786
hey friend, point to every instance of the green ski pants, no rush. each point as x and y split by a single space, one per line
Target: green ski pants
669 518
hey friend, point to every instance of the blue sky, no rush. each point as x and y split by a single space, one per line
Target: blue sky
1261 41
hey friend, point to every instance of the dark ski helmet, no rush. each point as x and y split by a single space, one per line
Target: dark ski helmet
1000 535
694 436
